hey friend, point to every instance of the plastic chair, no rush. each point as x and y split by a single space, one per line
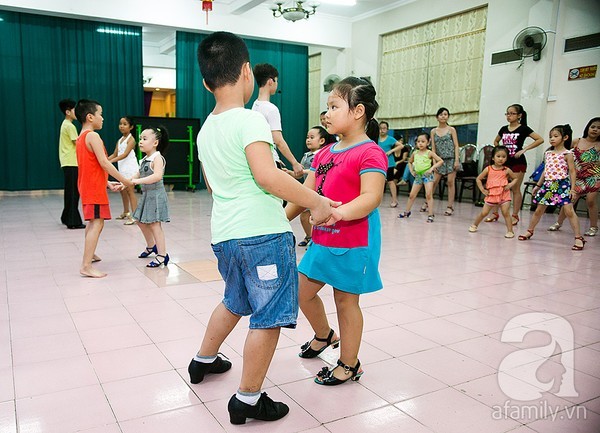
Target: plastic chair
466 178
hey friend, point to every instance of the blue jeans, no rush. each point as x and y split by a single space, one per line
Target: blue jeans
261 279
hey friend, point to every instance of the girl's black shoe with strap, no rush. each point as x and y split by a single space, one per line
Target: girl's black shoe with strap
326 377
308 352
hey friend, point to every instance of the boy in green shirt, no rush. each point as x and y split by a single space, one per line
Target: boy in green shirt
251 236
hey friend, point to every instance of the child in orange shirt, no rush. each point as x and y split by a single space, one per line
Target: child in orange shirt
92 181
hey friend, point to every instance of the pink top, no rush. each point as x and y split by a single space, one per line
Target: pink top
337 176
496 179
556 166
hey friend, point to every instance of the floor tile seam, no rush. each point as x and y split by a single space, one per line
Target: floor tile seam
404 329
449 348
152 414
337 419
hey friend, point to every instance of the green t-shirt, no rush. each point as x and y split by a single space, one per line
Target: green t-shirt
66 147
241 208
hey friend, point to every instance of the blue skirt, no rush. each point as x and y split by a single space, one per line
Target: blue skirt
352 270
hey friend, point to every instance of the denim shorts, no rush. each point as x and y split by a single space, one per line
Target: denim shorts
261 279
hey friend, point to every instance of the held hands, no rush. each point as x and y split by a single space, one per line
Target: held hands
298 169
115 186
325 213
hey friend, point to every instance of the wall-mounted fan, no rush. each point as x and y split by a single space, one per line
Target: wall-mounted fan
530 42
329 81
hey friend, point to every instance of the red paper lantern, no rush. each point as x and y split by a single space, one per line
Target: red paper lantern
207 6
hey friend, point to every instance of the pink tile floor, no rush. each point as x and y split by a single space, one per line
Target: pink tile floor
110 355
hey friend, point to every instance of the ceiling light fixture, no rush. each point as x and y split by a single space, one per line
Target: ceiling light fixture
295 12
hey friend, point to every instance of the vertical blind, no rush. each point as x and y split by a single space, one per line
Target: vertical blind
45 59
433 65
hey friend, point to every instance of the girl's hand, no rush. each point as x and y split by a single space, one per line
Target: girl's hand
429 172
507 188
519 153
456 164
535 189
486 192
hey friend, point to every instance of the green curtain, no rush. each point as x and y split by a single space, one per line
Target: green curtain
193 100
46 59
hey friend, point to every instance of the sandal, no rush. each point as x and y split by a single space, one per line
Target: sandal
495 216
309 352
149 250
158 263
592 231
430 218
423 208
509 235
326 377
554 227
404 214
515 219
473 228
449 211
123 216
526 236
579 247
304 242
394 205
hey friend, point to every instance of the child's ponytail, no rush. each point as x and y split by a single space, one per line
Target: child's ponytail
372 129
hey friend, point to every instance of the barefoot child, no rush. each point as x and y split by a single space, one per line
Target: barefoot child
497 189
422 164
554 187
94 168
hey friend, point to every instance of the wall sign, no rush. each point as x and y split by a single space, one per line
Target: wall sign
582 72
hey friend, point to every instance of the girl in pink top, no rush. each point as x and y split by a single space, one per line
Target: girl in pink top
344 255
497 189
554 187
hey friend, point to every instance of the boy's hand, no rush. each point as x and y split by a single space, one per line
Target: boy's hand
336 216
114 186
298 169
323 213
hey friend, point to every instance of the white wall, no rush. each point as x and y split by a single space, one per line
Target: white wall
576 101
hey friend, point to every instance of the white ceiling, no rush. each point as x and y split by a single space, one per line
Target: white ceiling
156 36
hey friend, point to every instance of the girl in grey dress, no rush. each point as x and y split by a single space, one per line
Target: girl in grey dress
153 207
444 143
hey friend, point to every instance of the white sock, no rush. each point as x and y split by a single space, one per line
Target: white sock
248 398
205 359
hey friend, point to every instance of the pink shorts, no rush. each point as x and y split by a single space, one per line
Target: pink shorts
96 211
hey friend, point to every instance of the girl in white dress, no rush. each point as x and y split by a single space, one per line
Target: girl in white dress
124 156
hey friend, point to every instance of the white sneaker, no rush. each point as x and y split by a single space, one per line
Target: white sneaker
555 227
592 231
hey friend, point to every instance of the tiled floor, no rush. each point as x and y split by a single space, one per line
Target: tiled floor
110 355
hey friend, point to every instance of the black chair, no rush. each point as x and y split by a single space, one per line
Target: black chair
466 177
